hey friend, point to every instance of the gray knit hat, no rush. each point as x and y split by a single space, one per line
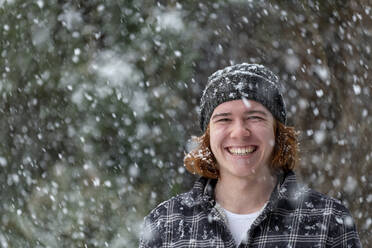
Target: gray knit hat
250 81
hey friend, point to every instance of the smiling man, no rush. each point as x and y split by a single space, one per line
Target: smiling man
247 195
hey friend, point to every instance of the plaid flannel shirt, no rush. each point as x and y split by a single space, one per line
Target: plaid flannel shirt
295 216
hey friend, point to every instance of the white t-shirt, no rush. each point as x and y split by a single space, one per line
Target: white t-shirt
239 224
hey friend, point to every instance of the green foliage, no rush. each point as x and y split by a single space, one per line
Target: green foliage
86 119
98 99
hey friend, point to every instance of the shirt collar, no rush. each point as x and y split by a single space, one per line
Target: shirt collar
203 191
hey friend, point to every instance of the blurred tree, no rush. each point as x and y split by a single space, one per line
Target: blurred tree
89 122
99 98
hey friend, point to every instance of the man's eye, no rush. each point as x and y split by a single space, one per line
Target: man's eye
255 117
223 120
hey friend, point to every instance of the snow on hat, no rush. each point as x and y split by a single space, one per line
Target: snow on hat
250 81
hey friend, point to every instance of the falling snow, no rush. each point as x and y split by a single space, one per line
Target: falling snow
99 101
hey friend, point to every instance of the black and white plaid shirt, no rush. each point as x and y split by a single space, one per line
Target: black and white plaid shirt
295 216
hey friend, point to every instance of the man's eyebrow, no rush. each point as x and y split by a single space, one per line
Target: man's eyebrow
255 112
220 115
248 112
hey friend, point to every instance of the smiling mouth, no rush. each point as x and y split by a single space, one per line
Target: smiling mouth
241 151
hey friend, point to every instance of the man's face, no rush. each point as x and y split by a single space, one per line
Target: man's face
242 138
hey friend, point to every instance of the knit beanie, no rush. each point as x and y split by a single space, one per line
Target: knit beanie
249 81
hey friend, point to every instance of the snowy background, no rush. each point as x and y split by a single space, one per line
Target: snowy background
99 98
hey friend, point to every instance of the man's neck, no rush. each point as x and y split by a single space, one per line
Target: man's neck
244 195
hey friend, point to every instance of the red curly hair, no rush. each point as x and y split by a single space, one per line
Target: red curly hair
201 160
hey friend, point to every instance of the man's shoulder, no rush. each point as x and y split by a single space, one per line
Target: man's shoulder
167 214
317 200
169 206
305 201
314 214
309 199
183 203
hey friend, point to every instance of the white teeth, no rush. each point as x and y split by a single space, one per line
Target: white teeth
241 151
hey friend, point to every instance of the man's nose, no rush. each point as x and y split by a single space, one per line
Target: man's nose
240 129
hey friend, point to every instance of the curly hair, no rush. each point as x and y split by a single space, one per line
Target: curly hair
201 160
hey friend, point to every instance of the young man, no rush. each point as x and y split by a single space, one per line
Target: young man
247 195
